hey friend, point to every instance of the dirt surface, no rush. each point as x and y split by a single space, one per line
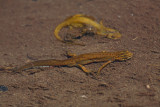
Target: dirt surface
26 33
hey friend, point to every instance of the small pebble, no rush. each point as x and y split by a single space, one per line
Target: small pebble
148 86
3 88
84 96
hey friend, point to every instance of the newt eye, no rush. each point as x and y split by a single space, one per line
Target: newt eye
114 35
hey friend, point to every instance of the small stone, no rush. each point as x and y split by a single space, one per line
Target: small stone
84 96
148 86
3 88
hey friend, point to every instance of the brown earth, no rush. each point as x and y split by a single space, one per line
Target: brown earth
26 32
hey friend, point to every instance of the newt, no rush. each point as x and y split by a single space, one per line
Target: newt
81 60
80 20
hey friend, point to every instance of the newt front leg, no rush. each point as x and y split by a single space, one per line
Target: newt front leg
105 64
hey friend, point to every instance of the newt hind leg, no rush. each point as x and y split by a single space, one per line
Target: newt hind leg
88 71
84 68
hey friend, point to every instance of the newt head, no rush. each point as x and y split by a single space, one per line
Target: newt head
123 55
108 32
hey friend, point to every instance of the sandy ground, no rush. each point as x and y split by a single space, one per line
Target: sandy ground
26 32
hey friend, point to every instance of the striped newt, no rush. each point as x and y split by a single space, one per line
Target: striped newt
81 60
80 20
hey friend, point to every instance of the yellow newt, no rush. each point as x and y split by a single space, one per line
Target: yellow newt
83 59
80 20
